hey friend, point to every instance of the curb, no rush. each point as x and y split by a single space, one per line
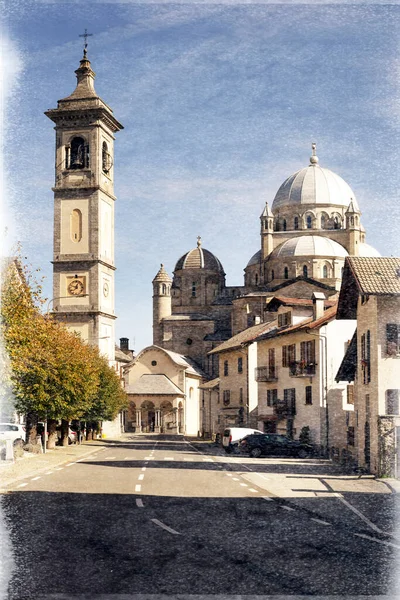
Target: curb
394 490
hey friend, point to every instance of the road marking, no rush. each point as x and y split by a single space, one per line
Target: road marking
138 488
228 474
235 479
169 458
160 524
59 469
243 484
368 537
22 485
139 503
287 508
144 468
267 498
141 477
70 465
253 490
362 517
35 478
48 472
320 521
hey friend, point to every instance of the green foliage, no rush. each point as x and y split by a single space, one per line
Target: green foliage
52 371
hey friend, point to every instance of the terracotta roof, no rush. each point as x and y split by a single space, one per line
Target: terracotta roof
248 335
283 300
154 385
209 385
376 275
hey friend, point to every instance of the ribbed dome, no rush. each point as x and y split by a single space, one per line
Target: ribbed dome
309 245
366 250
255 259
162 276
199 258
314 185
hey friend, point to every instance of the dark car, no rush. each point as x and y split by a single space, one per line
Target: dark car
274 444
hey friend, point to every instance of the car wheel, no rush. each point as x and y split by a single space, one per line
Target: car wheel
228 450
255 452
302 453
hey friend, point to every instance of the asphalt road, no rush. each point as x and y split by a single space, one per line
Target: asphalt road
163 515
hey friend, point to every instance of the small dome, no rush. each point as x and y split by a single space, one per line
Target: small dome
162 276
255 259
309 245
314 185
199 258
367 251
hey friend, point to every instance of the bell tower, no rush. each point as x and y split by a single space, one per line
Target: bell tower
83 258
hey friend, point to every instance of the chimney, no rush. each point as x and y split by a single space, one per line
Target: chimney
124 343
257 320
318 299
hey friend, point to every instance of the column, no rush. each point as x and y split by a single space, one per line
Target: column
157 427
138 421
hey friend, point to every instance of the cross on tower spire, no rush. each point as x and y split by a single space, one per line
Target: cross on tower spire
85 35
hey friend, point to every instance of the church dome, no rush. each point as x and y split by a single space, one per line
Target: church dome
314 185
367 251
199 258
309 245
255 259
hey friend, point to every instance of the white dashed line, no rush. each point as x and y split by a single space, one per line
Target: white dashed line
144 468
359 514
228 474
320 521
59 469
253 490
22 485
368 537
160 524
35 478
70 465
243 484
138 488
287 508
141 477
268 498
139 503
48 472
235 479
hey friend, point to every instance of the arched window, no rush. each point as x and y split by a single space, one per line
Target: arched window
356 220
352 220
77 154
277 225
286 273
305 271
323 221
256 279
296 222
272 274
284 224
309 222
325 272
265 224
336 223
76 225
164 288
194 285
105 159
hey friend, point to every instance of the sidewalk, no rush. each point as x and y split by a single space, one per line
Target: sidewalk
31 464
392 483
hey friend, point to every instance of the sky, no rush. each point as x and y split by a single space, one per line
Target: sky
220 103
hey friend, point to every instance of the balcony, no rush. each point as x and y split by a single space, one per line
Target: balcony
302 369
266 374
285 408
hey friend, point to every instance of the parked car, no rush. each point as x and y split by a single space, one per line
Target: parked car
274 444
12 431
233 435
72 435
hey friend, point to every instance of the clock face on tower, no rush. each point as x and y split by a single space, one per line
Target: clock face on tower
76 287
106 289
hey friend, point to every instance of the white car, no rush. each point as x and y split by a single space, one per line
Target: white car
233 435
12 431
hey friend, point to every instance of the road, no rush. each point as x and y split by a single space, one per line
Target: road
164 515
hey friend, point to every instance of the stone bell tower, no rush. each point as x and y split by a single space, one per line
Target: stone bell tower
83 260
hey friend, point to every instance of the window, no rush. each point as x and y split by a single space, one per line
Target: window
350 436
153 363
240 395
284 224
76 225
308 394
307 353
336 223
77 154
284 319
286 273
366 357
323 221
272 274
226 369
367 407
256 279
226 397
350 394
272 397
285 362
309 222
194 289
105 159
325 272
392 402
189 341
291 354
296 222
240 365
392 339
289 397
305 271
271 362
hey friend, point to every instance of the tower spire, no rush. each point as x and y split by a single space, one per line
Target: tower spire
85 45
314 158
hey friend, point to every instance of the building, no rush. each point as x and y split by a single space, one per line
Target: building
163 392
313 224
371 294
